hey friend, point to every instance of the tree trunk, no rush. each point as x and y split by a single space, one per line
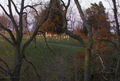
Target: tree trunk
87 64
16 73
115 10
117 71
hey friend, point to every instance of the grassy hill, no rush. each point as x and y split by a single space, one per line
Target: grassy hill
46 62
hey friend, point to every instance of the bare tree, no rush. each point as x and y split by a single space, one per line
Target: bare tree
3 20
17 38
87 47
115 10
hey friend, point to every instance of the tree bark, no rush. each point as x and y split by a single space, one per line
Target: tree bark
17 65
87 64
90 43
118 34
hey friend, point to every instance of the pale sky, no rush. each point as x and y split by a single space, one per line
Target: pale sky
84 3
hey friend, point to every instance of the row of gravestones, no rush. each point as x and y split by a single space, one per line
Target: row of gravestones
55 37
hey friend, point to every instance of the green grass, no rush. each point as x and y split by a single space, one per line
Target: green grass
42 57
46 62
38 54
60 40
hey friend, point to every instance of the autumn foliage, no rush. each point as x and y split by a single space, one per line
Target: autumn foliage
80 32
98 20
103 62
103 58
54 23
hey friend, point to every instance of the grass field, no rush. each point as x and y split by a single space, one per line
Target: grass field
61 65
46 63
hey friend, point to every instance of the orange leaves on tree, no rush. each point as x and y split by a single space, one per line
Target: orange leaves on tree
98 19
80 54
54 23
81 33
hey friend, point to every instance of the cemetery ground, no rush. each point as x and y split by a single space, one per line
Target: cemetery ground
48 64
54 62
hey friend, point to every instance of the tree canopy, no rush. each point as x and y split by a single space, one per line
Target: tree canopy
54 24
98 19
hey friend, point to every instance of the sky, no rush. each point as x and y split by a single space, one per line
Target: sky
87 3
84 3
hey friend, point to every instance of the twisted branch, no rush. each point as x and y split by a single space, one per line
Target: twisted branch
5 71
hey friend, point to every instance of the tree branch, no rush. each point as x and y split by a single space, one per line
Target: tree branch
107 40
68 4
11 16
65 26
9 6
58 5
89 28
25 69
10 33
32 8
77 37
63 3
66 7
26 23
47 43
7 72
33 67
6 39
38 26
116 20
3 70
4 10
15 7
21 21
34 34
